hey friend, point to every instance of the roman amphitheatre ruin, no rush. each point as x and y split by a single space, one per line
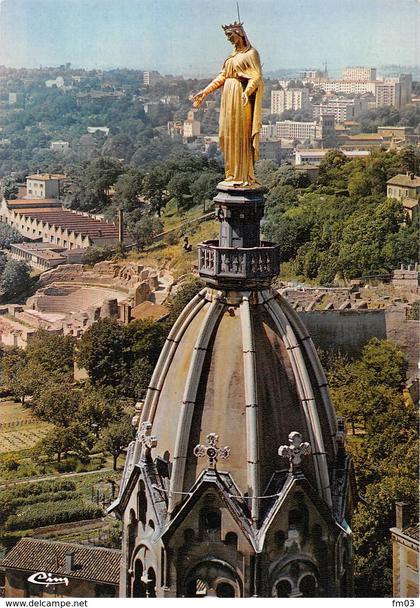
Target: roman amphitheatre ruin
72 297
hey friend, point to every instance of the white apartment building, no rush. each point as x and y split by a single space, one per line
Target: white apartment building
352 87
289 99
358 73
151 77
341 109
314 156
191 128
290 129
313 131
268 131
396 89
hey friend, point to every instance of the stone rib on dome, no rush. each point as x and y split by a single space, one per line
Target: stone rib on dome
242 357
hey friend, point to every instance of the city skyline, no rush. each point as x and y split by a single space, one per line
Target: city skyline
184 37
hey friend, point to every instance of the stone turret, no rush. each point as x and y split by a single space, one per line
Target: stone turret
238 483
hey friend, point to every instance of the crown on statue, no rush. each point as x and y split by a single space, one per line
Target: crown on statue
236 26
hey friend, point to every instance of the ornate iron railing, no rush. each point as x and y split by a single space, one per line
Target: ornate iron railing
226 264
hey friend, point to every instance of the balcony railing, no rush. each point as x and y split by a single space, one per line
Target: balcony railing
233 265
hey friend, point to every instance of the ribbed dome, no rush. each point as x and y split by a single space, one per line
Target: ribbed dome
241 365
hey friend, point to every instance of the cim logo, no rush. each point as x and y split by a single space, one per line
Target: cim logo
47 579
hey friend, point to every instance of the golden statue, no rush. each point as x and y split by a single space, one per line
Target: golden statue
240 109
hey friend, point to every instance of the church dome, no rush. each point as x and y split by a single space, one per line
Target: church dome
238 483
241 365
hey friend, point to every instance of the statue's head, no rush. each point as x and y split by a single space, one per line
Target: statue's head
234 32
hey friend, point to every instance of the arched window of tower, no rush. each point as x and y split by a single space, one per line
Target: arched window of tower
132 533
212 578
231 539
279 539
189 536
211 522
308 585
142 503
344 566
283 588
139 587
224 589
296 520
151 583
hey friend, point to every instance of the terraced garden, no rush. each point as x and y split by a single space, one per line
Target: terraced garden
19 429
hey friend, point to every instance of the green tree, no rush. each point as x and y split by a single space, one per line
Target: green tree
155 188
116 438
383 364
178 301
128 189
179 189
371 389
9 189
62 440
16 278
143 228
57 403
54 353
104 353
19 375
203 188
9 235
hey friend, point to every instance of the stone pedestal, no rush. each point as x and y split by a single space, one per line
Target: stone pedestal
239 257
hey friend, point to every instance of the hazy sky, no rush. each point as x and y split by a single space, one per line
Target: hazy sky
184 36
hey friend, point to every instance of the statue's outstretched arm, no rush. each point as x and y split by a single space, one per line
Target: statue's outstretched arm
213 86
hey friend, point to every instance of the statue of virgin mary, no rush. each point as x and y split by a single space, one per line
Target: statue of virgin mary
240 109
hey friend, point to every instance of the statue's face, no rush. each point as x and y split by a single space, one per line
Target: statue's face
233 37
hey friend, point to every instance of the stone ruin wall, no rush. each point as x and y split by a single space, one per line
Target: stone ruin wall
346 319
49 310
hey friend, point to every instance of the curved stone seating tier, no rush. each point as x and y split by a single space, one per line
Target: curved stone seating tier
73 300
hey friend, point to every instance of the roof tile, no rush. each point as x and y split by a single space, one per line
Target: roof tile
91 563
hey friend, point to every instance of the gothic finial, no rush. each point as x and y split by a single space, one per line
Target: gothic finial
147 440
211 451
295 450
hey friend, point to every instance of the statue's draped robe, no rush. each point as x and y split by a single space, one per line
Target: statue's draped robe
240 125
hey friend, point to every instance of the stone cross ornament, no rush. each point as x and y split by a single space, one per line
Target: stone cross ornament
295 450
147 440
211 451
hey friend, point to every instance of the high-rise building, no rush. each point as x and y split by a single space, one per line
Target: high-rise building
341 109
402 88
151 77
289 99
388 94
359 73
352 87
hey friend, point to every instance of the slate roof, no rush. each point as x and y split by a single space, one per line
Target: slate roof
91 563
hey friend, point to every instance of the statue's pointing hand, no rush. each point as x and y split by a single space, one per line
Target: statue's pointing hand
198 99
